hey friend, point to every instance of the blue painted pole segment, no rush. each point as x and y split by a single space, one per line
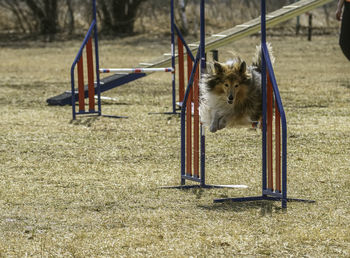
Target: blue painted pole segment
97 62
202 70
202 174
189 52
264 95
73 92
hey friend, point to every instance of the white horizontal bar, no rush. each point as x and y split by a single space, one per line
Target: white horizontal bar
290 6
136 70
219 35
106 98
146 64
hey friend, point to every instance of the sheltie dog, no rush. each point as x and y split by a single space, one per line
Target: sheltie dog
231 94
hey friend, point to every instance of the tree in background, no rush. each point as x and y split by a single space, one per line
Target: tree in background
118 16
34 15
70 17
42 16
18 9
45 13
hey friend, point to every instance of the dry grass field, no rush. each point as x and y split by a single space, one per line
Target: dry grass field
91 187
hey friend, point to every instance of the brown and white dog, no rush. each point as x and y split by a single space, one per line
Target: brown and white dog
231 93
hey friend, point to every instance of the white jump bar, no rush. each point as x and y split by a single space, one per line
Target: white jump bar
136 70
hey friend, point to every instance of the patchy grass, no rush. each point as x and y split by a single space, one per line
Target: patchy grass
91 187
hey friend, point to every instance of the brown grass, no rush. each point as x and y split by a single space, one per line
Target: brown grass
92 187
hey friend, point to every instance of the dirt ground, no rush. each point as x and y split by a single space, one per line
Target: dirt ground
92 187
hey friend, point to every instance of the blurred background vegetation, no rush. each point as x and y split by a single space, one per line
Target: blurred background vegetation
60 19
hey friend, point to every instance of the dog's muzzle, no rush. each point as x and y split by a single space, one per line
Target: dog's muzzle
230 100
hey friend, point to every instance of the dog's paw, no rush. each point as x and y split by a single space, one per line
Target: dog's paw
222 123
217 124
213 128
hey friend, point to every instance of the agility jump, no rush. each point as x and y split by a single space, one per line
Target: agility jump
274 176
88 91
124 74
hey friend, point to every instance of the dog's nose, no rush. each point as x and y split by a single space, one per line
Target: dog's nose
230 97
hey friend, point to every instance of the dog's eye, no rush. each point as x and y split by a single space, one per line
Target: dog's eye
236 86
226 85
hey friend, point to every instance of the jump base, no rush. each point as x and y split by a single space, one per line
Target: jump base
263 198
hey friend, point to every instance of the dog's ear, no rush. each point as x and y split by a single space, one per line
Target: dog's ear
218 68
243 67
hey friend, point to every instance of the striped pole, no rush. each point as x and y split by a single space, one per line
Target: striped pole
136 70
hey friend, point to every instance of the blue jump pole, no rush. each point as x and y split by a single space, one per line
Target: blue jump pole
202 70
97 64
264 95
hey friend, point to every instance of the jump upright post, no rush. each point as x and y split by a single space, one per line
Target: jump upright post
91 74
274 141
121 76
192 132
192 156
274 178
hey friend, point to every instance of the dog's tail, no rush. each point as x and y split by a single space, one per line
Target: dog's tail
257 58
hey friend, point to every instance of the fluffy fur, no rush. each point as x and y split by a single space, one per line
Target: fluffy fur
231 93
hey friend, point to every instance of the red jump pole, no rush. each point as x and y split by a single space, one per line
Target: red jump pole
269 133
277 149
181 69
189 122
196 125
90 69
81 85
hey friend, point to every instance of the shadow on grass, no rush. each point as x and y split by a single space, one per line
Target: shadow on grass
85 121
266 207
345 84
88 120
